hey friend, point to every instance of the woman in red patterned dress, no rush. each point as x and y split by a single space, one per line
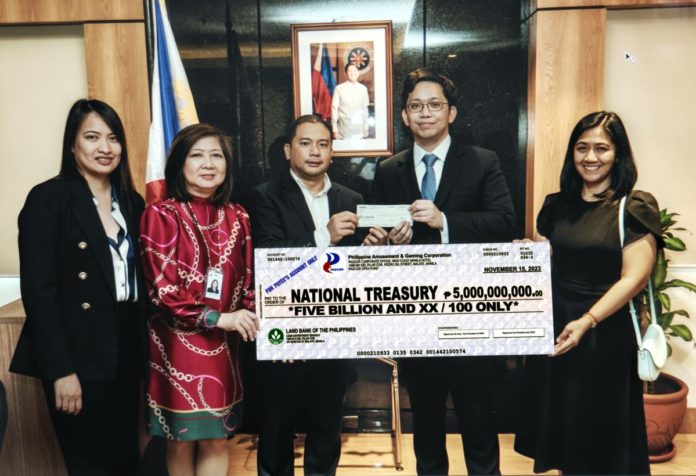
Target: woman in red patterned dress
189 241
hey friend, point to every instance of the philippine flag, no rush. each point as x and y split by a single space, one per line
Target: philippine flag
323 83
172 102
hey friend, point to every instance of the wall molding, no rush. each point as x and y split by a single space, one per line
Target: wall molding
609 4
69 11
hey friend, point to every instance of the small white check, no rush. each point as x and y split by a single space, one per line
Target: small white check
386 216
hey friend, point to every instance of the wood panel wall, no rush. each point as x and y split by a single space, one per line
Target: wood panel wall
566 77
69 11
30 446
116 58
116 65
117 74
566 81
610 4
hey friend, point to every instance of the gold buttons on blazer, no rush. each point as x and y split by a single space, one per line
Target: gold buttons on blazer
82 245
82 275
86 306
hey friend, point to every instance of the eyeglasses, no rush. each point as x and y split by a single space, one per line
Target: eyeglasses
432 106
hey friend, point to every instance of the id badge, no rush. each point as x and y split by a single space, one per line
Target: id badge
213 284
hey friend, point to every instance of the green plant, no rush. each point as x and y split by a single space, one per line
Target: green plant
663 303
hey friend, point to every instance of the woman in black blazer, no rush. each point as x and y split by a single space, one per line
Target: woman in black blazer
80 283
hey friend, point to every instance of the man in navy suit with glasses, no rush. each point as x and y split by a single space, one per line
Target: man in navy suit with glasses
457 194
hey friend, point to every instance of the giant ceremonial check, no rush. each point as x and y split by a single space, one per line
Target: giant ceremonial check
404 301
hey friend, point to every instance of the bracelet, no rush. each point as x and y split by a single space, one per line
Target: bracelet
593 320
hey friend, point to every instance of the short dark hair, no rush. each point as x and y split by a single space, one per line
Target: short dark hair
624 173
181 146
345 68
121 177
306 119
425 74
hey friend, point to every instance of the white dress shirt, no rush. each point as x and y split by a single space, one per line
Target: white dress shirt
319 209
441 153
122 256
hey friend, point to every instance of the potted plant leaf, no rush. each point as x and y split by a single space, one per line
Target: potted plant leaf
665 399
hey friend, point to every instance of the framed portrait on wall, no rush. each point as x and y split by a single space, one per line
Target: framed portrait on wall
343 72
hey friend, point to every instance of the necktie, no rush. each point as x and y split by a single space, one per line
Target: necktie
428 184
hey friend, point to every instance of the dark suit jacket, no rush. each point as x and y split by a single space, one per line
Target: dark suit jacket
280 217
472 194
72 323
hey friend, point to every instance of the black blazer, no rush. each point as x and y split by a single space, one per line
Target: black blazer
280 217
68 285
472 193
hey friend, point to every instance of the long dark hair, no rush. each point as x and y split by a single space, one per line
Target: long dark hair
121 177
623 173
181 146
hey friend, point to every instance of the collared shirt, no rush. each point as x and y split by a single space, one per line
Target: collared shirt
441 153
122 256
319 209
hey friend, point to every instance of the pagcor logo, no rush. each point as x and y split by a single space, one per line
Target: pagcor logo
332 261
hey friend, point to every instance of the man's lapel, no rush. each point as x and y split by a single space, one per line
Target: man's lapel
451 171
294 195
406 172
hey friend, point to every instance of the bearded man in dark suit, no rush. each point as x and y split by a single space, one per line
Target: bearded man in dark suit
303 208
